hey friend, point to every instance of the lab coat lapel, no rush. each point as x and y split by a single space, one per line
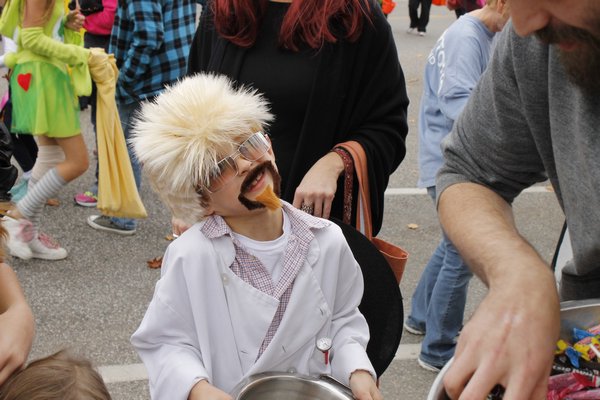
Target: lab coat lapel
251 312
306 314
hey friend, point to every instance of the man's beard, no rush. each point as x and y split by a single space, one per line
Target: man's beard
582 64
266 166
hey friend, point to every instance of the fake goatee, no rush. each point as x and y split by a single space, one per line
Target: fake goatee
266 166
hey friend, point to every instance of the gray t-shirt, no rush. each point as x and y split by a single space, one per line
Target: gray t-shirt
524 122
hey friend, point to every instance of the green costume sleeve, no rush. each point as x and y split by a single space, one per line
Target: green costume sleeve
73 37
33 39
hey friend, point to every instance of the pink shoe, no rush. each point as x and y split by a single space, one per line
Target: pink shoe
86 199
20 234
46 248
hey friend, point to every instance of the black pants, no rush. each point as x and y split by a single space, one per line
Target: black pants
8 172
24 148
419 21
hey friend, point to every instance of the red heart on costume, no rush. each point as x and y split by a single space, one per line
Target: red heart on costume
24 80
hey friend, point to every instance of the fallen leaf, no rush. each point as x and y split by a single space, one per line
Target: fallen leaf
169 238
155 263
412 226
550 188
53 202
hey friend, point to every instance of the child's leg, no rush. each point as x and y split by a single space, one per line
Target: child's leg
52 173
49 156
25 241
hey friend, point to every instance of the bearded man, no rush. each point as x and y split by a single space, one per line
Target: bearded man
534 116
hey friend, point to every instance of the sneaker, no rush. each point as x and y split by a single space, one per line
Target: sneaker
410 30
429 367
413 330
19 190
421 33
46 248
104 223
86 199
20 234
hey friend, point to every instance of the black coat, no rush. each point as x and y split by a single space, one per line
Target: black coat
359 93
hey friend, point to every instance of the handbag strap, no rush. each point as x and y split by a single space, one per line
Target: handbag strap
348 182
363 207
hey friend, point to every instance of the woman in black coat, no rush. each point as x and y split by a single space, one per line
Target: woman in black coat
331 73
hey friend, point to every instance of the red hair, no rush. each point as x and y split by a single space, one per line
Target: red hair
306 23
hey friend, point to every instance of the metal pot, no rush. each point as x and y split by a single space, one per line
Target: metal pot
578 313
290 386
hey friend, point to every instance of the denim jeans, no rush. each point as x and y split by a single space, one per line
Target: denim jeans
126 113
438 304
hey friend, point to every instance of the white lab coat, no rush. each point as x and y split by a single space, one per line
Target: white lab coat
204 322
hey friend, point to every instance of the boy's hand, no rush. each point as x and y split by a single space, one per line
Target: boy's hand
363 386
205 391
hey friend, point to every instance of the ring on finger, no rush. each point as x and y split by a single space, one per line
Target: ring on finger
307 208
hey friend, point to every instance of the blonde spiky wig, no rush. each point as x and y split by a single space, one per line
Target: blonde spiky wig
182 135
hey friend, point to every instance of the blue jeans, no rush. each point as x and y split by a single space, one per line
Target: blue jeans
126 113
438 304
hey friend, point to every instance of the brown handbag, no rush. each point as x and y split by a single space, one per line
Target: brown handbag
395 255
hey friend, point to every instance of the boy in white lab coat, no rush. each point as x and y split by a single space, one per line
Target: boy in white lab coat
255 283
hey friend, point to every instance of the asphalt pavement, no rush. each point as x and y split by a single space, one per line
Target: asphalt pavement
94 300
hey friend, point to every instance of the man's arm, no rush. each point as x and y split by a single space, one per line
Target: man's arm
511 337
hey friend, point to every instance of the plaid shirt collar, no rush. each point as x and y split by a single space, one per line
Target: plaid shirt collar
302 224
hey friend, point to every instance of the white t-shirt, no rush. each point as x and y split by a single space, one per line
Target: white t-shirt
270 253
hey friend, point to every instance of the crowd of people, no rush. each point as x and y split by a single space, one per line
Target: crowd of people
237 121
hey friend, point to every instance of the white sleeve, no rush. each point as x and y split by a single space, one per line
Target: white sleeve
166 340
349 329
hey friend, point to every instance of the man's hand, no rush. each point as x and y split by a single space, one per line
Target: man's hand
205 391
512 336
363 386
16 336
75 20
509 341
319 185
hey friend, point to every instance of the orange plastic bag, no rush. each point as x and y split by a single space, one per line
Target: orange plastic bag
387 6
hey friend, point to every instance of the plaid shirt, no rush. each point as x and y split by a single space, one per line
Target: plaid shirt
151 41
252 271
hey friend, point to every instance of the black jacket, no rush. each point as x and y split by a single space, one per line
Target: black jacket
359 93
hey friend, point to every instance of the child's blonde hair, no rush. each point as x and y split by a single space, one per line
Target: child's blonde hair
180 137
61 376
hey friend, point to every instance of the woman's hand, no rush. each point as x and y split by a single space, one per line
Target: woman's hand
75 20
363 386
205 391
319 186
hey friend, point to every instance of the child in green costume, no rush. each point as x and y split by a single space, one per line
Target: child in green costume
49 71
